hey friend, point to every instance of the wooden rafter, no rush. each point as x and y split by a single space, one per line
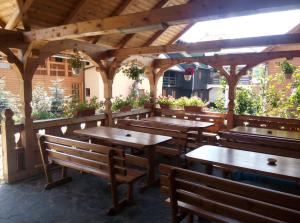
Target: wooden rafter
119 10
236 59
76 11
11 39
129 37
186 28
160 18
20 14
210 46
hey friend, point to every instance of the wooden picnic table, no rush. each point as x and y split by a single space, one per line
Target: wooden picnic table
265 132
286 168
133 139
187 126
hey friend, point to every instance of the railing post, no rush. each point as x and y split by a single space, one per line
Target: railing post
8 145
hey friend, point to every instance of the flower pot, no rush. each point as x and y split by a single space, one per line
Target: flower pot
164 106
193 109
126 108
148 105
76 71
86 112
187 77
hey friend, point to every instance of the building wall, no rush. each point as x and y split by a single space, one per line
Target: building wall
45 76
273 65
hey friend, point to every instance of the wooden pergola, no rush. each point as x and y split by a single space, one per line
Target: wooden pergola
108 33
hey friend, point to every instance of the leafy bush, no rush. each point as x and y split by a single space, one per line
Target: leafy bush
195 101
119 103
43 115
169 100
143 99
245 102
70 107
133 72
287 68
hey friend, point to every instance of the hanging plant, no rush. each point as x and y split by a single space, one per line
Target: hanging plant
133 72
188 73
76 64
287 69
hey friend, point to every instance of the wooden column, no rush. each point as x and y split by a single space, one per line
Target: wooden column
27 135
232 82
108 96
8 145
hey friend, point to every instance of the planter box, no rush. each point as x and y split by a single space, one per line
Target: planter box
164 106
148 106
193 109
126 108
87 112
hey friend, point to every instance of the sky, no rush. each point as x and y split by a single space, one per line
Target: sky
245 26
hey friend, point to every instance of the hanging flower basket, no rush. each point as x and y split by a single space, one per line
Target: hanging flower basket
188 73
76 64
287 69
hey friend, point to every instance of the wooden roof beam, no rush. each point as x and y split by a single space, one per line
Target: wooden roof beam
160 18
210 46
128 37
20 13
237 59
121 8
11 39
76 11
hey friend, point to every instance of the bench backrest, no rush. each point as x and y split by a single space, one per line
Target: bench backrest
266 144
96 159
153 127
224 200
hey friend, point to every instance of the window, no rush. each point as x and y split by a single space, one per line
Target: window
75 90
58 59
88 92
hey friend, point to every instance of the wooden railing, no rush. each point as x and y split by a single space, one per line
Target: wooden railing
12 138
267 122
218 118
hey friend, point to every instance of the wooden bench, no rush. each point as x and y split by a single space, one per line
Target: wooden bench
173 148
220 200
264 144
105 162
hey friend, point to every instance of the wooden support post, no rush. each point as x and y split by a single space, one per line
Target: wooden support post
8 145
108 104
27 135
231 96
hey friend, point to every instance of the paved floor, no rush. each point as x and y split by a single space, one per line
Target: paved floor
85 199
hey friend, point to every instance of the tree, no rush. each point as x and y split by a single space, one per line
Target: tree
9 100
57 97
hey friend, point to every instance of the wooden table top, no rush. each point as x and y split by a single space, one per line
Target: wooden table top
288 168
267 132
189 124
122 136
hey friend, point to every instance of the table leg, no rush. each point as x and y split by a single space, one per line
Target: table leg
200 136
208 168
150 180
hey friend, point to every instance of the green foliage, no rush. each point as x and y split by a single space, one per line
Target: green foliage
57 98
166 100
246 103
143 99
120 102
43 115
133 72
9 100
195 101
75 62
287 68
220 104
70 107
181 102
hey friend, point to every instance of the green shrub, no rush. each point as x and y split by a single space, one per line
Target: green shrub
119 103
70 107
166 100
195 101
143 99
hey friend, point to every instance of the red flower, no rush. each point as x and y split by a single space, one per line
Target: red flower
189 71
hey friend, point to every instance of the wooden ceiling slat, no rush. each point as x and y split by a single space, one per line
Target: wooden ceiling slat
75 12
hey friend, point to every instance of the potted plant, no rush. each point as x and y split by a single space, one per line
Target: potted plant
287 69
133 72
123 105
165 102
188 73
145 101
76 64
79 109
194 105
